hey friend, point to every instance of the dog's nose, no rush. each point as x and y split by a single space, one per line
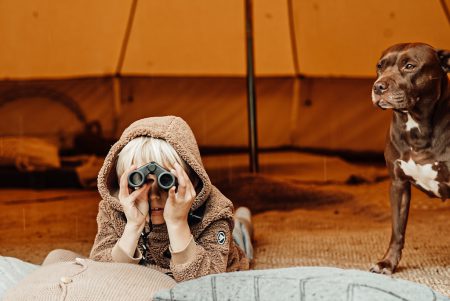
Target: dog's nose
380 87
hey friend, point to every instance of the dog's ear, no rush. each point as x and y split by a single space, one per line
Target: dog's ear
444 58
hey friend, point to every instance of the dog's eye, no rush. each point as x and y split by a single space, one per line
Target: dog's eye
409 66
379 66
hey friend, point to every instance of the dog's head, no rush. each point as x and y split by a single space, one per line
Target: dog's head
409 73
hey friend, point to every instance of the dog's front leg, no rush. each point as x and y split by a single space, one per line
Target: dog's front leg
400 195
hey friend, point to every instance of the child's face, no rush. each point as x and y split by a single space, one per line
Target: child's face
157 198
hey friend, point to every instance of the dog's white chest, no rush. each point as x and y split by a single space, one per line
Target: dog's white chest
411 123
424 175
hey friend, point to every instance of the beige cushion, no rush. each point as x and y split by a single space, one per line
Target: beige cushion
84 279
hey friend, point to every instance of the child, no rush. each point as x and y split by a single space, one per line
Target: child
185 232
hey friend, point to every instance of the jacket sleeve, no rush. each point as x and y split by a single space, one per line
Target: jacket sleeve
208 254
106 246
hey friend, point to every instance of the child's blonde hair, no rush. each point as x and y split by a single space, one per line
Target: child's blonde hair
143 150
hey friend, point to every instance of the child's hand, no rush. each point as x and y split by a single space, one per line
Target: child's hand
178 204
135 204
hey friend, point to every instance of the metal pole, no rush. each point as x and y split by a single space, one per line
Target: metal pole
251 95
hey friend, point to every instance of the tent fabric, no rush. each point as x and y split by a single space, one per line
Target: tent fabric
327 113
314 61
57 114
54 39
57 39
345 38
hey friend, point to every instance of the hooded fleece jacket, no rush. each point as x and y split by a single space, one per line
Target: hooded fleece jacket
211 250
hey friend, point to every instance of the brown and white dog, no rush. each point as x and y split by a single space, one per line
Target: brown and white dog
412 80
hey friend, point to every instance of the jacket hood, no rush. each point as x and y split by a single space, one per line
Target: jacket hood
173 130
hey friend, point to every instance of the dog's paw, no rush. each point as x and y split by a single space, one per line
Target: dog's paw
383 267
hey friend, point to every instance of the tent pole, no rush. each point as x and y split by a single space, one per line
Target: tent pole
251 95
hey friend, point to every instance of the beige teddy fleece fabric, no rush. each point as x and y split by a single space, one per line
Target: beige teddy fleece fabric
212 249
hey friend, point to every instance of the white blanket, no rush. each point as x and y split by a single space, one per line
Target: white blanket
299 283
12 270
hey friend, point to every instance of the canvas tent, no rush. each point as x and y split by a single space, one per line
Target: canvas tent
314 65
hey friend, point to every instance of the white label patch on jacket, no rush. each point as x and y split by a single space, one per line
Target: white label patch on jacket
424 175
411 123
221 237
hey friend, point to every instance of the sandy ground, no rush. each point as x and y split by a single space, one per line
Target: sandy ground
308 211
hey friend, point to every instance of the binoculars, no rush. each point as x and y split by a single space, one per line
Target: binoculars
165 179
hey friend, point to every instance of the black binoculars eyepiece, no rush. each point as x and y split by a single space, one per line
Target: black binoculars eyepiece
165 179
